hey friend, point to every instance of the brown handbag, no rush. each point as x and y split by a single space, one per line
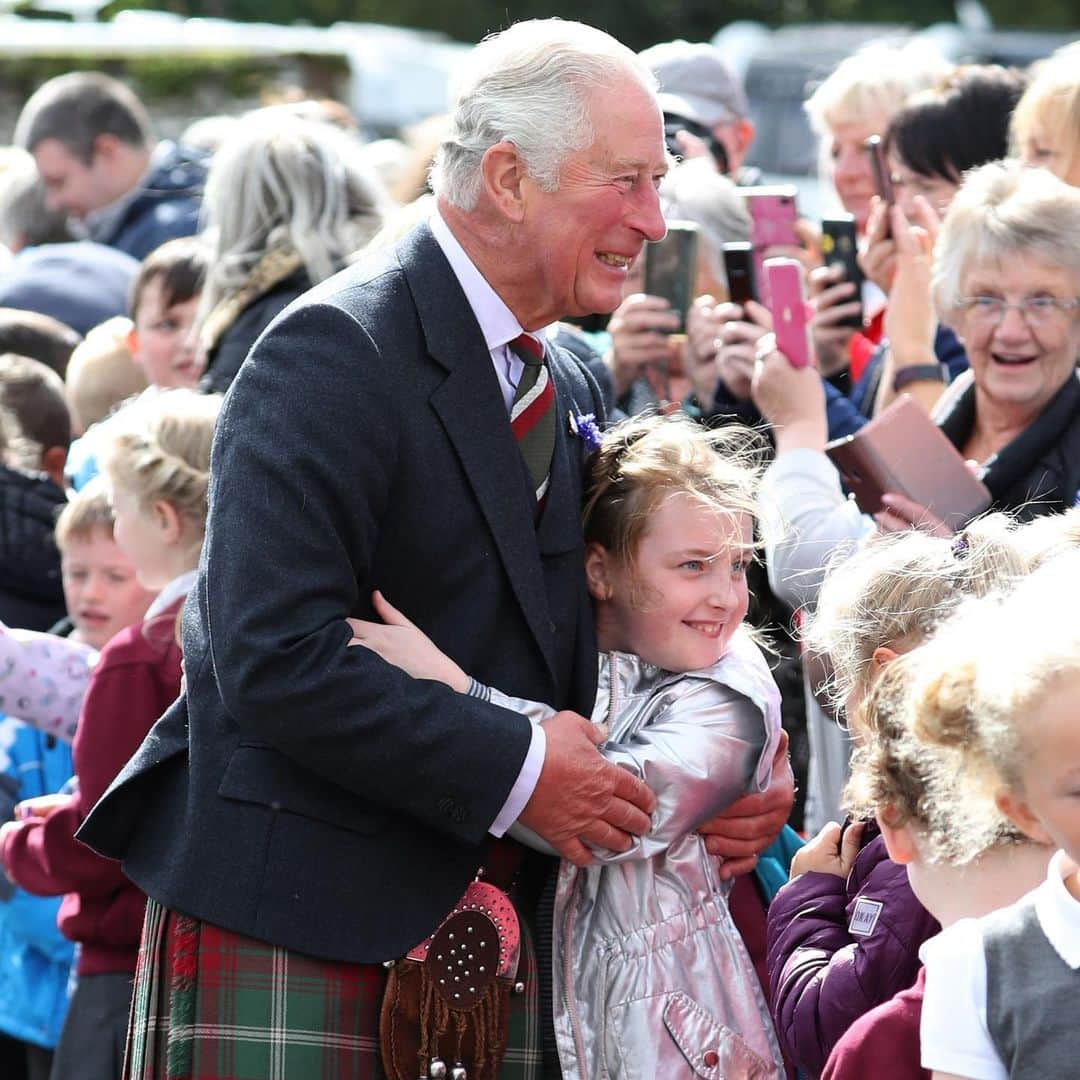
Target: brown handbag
448 1000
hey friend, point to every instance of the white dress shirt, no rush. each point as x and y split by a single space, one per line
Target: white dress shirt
499 326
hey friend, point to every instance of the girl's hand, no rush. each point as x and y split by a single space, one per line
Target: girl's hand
791 399
827 853
406 646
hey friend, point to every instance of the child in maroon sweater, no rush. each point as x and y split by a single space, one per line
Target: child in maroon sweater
156 465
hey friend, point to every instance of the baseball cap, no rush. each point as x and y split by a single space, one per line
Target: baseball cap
696 83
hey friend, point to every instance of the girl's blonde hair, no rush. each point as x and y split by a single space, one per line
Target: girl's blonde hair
981 681
160 449
86 512
898 587
909 781
1050 108
646 460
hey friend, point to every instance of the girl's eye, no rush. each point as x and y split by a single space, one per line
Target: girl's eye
695 565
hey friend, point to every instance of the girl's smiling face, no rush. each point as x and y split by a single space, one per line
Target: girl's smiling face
685 595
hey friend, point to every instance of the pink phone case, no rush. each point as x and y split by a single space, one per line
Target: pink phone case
787 301
773 215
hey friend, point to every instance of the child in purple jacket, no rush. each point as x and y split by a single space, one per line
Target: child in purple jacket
844 933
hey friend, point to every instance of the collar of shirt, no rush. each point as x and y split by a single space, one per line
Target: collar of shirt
1058 911
179 586
103 221
497 322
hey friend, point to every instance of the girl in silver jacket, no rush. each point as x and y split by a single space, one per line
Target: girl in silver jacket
651 976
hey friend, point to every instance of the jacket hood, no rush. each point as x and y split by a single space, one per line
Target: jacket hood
29 561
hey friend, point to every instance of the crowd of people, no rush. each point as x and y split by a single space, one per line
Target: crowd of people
383 568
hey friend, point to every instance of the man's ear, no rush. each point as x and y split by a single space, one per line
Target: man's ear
106 148
503 173
167 520
744 132
598 571
1019 813
899 842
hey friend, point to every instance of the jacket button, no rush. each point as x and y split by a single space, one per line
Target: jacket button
711 1059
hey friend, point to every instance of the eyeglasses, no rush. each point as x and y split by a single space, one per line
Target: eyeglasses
1036 310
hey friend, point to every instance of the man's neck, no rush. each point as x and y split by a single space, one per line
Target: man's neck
485 242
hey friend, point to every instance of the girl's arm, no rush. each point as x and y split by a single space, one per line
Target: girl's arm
43 679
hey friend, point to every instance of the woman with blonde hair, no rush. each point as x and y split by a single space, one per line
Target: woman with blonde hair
287 202
1046 123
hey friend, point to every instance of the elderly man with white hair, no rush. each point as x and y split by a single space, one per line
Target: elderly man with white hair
307 813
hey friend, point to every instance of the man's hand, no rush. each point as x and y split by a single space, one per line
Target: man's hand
747 827
581 798
827 853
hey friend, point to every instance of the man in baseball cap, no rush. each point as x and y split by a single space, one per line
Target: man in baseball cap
700 94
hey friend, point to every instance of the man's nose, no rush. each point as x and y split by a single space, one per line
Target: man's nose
647 217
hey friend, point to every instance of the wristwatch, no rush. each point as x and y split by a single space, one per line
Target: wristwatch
920 373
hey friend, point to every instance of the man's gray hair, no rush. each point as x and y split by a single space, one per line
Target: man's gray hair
76 108
25 220
285 183
1004 211
530 86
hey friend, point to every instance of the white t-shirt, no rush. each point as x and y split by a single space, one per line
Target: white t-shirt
953 1031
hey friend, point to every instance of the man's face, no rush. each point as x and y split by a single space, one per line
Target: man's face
582 238
70 183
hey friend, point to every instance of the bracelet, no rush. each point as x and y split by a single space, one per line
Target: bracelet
920 373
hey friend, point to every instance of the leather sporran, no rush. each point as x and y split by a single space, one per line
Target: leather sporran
446 1009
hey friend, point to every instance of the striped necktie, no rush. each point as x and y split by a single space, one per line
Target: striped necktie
532 416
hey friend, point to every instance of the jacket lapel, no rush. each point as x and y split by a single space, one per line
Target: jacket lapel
470 407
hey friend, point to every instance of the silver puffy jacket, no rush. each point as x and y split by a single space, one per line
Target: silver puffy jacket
652 978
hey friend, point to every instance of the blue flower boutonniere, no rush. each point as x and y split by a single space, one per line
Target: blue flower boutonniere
585 427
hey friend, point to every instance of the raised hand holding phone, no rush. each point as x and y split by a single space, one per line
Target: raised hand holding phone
790 313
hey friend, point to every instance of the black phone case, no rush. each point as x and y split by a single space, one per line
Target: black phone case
670 269
739 270
840 248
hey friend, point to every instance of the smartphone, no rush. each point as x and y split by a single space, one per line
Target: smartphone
787 301
671 268
840 248
772 215
739 270
882 175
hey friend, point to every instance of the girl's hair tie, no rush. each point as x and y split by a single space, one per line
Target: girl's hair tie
960 545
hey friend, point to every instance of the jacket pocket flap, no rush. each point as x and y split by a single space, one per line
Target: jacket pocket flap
259 774
713 1051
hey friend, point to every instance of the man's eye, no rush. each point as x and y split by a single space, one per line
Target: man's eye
739 568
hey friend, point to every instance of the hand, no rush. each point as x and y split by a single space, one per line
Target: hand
791 399
808 251
833 299
749 825
910 321
405 645
702 328
737 343
640 327
902 513
40 807
877 256
827 853
580 797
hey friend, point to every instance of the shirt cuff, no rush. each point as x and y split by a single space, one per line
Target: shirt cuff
525 784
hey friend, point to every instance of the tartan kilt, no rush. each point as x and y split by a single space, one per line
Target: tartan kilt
210 1004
